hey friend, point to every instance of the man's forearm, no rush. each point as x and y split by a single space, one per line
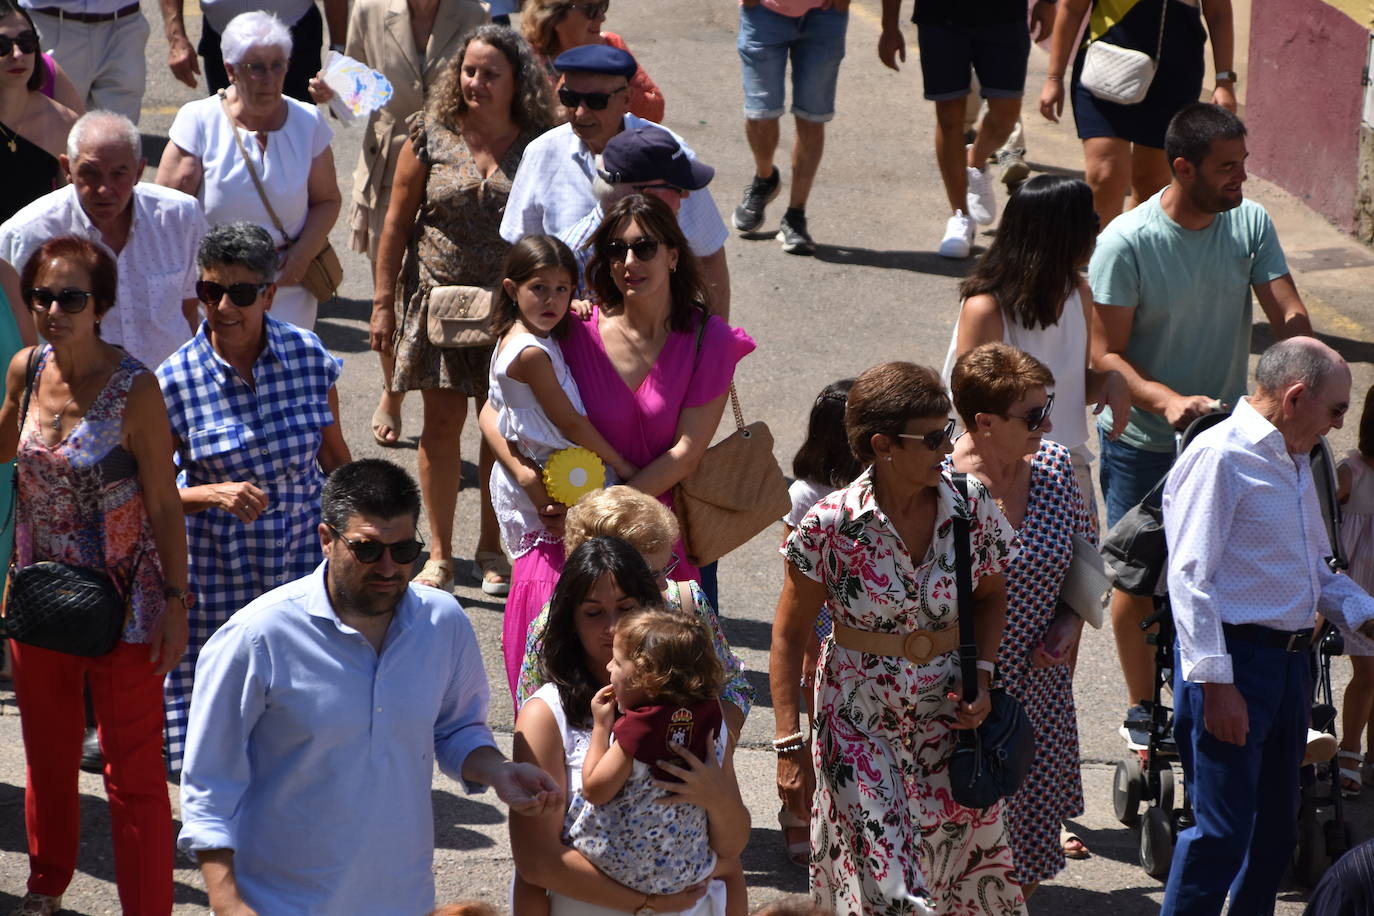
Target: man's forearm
482 764
173 23
217 870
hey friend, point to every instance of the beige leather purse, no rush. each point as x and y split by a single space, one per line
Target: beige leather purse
460 316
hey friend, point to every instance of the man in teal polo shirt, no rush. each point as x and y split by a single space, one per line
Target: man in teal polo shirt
1172 282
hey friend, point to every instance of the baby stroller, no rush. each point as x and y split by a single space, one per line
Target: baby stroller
1136 551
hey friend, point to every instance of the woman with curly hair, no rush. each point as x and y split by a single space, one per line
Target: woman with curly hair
452 181
553 26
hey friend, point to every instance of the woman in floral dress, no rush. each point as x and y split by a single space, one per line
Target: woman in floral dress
886 835
452 181
1000 393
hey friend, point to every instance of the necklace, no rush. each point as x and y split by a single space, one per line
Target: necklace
10 138
56 423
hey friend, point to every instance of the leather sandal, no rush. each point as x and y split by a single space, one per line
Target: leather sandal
494 570
1072 844
437 574
1351 780
380 420
798 851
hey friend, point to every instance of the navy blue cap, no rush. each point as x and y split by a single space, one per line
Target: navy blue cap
596 59
643 154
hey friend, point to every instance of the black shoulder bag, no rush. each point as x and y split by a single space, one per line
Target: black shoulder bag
990 762
58 606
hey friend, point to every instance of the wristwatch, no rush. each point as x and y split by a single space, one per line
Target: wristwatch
646 909
187 598
1229 75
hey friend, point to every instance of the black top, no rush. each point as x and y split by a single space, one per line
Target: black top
30 172
968 12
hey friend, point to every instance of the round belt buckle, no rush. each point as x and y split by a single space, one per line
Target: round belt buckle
918 646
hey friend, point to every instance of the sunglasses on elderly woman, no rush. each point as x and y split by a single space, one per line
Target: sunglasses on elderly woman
371 551
70 300
644 249
933 439
27 42
596 101
590 10
1037 416
241 294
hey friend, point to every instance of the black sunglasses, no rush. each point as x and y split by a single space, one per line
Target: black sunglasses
70 300
933 439
241 294
644 249
596 101
27 42
371 551
590 10
1037 417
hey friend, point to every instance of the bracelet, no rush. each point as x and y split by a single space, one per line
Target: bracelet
984 665
789 748
795 738
1055 79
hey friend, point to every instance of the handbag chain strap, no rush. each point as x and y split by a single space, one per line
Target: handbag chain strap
734 398
963 586
252 172
1159 48
23 416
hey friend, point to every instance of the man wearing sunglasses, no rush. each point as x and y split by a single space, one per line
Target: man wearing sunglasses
319 712
154 233
553 187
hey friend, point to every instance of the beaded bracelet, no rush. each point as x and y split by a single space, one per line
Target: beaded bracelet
789 748
794 738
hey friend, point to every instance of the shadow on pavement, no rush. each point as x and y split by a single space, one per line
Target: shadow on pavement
340 337
766 864
1354 351
452 811
924 262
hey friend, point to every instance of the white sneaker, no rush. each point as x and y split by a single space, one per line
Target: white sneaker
982 203
958 240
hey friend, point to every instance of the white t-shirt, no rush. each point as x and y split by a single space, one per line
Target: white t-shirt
804 494
227 193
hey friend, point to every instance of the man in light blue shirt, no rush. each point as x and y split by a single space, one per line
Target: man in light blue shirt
1172 282
318 714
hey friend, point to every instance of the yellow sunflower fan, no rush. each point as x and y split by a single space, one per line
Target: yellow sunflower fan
572 472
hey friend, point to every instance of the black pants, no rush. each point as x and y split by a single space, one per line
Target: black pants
307 36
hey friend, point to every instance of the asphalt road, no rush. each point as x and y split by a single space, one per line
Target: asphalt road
875 291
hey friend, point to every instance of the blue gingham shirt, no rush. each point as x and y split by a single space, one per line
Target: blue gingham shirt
553 190
268 434
311 754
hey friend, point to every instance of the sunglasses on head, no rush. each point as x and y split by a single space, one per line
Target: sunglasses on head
644 249
590 10
933 439
596 101
366 551
241 294
27 42
70 300
667 570
1037 416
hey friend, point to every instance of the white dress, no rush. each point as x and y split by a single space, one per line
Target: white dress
575 742
1357 538
228 194
521 420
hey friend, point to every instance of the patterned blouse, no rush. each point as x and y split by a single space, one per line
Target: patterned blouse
81 502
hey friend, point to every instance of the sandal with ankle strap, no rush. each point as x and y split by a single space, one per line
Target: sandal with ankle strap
436 574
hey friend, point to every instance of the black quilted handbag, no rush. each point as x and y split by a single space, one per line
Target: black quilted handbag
57 606
990 762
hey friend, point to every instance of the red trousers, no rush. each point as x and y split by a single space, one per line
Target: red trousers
128 709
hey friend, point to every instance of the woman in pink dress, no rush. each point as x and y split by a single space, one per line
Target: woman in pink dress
653 377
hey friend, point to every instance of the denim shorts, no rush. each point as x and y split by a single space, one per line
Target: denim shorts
815 40
997 52
1128 474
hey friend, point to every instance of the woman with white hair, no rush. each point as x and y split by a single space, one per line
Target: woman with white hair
286 143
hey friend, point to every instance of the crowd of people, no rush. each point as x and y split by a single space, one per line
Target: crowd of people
545 253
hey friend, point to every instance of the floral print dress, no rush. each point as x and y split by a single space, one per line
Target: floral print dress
887 838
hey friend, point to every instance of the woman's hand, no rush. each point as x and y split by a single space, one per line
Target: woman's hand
704 782
1225 96
293 266
625 470
1116 395
797 781
382 328
1057 646
683 900
603 708
319 90
971 715
241 499
1052 100
167 643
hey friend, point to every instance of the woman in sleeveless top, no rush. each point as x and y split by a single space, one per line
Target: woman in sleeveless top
97 489
1027 290
33 127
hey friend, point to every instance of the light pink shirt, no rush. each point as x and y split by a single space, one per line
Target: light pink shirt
793 8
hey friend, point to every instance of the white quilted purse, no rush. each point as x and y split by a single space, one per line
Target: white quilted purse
1121 75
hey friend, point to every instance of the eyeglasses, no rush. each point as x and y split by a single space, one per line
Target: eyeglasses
644 249
70 300
596 101
658 186
261 71
590 10
934 439
667 570
1037 417
241 294
27 42
366 551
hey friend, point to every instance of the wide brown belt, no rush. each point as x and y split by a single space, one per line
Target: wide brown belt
918 646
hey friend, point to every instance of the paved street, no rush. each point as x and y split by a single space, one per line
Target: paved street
875 291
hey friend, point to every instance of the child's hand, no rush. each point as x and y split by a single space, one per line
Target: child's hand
603 708
582 308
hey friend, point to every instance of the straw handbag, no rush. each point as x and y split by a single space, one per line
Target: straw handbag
736 491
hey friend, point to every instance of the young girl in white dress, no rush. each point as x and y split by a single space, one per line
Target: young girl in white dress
539 409
664 698
1355 482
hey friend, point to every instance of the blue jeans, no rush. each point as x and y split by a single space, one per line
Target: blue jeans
1245 797
815 41
1128 474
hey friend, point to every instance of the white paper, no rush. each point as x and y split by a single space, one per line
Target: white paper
358 89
